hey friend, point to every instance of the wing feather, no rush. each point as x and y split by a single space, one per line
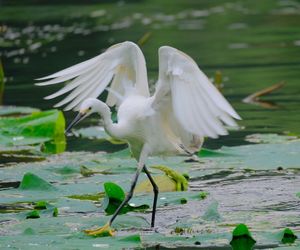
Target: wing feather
207 108
81 89
75 69
86 90
75 83
90 78
93 92
198 107
202 112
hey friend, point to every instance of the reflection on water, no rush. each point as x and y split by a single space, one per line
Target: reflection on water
253 45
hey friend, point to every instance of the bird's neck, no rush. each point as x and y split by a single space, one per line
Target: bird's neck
111 128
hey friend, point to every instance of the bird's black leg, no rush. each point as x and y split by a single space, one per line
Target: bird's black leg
155 191
106 228
127 198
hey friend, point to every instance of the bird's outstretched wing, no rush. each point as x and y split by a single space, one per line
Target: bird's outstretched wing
122 65
189 101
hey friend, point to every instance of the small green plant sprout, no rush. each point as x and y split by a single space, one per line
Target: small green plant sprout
34 214
288 236
86 172
241 238
40 205
55 212
203 195
183 201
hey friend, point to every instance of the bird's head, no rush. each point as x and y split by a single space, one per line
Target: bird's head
87 108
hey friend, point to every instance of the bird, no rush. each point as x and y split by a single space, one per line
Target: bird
184 108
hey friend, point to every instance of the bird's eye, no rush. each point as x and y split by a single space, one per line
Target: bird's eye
89 108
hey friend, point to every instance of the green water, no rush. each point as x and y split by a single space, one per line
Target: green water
255 44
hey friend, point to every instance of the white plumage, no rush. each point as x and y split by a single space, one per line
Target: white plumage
184 109
184 106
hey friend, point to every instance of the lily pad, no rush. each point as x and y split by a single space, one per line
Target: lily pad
164 183
86 172
55 146
113 191
14 208
33 182
96 132
36 128
223 177
29 231
261 156
132 238
22 138
212 213
89 197
204 152
16 110
270 138
125 153
20 154
114 197
40 205
45 125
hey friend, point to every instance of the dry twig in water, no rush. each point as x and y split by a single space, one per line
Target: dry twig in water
255 97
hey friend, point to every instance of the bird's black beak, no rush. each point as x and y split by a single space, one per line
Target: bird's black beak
78 118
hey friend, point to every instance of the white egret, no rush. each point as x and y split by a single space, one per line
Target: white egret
184 109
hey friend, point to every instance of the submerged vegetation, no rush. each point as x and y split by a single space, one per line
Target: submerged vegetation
242 191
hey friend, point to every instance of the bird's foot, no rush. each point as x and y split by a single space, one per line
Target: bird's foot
106 230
